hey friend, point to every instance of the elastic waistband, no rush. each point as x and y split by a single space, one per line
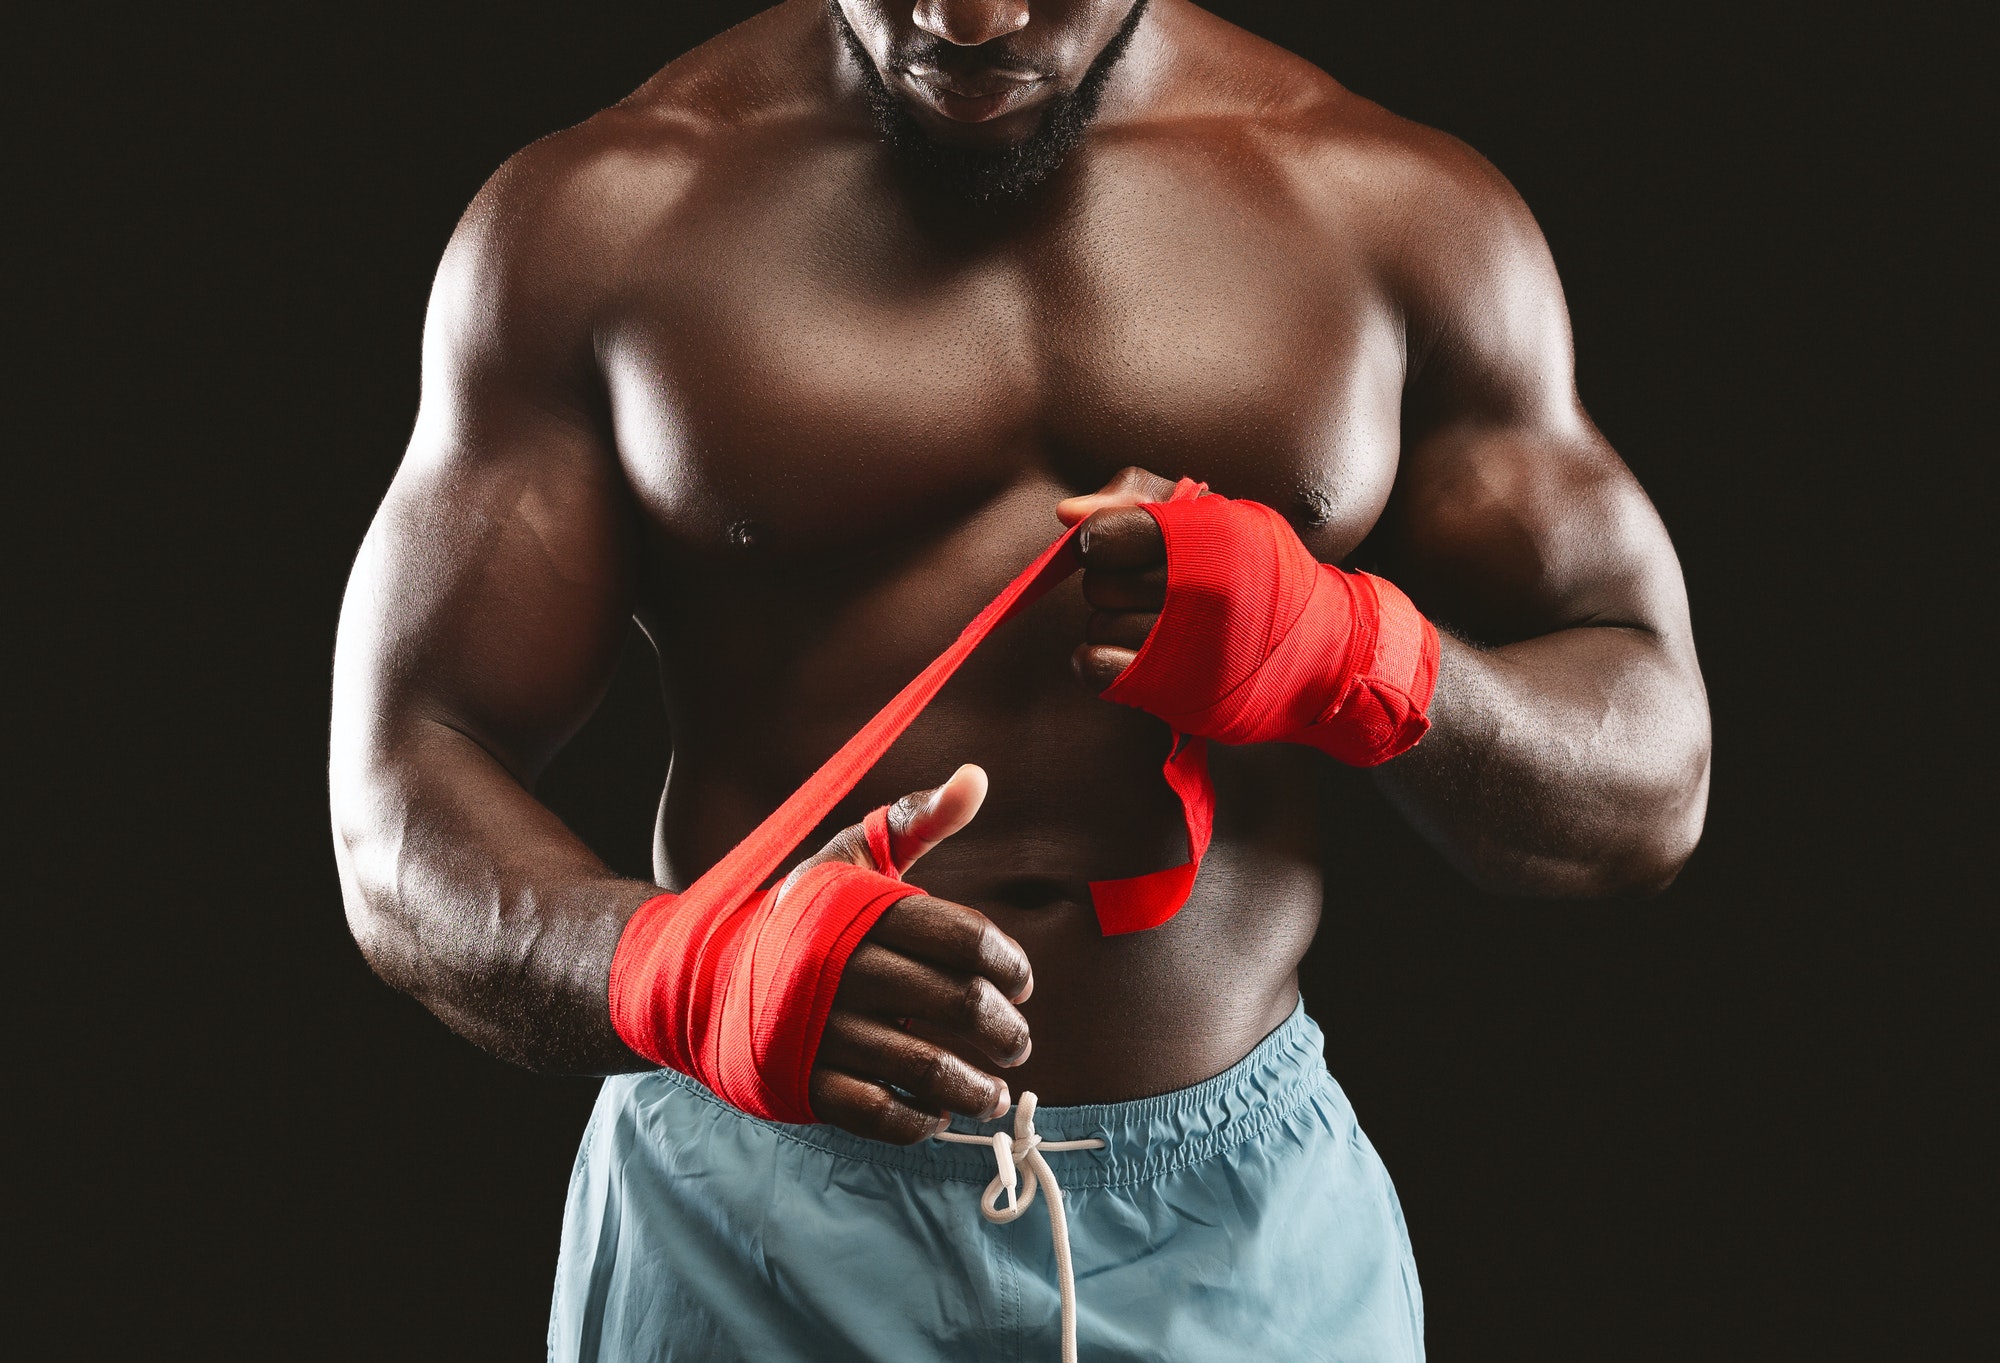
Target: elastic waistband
1143 1139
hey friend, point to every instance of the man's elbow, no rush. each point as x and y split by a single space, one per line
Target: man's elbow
1656 862
383 943
1634 853
1650 828
1675 830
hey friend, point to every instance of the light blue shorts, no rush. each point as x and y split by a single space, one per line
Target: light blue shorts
1245 1217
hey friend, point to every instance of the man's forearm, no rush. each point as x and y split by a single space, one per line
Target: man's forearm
467 893
1572 765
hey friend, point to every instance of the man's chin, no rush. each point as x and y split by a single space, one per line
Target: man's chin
989 162
993 135
1003 118
980 173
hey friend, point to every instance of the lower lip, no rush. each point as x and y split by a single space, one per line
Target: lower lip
971 108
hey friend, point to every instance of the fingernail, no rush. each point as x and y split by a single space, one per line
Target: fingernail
1023 1056
943 1125
1000 1104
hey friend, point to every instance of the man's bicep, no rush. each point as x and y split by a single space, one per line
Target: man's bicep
497 580
1506 533
1512 516
493 590
492 594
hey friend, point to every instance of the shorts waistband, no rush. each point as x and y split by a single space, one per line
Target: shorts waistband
1143 1138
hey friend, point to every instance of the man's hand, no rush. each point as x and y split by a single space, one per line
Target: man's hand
931 983
1124 571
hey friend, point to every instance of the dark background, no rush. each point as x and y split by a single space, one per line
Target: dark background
1741 1121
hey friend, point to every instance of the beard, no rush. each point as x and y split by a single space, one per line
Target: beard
986 176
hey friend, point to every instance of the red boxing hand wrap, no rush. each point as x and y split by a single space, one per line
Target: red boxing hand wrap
1260 642
731 985
737 995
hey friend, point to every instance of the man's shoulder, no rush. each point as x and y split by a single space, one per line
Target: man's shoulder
1340 153
595 189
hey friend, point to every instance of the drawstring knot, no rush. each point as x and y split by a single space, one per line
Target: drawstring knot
1021 1172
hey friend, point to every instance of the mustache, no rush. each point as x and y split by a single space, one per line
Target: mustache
929 51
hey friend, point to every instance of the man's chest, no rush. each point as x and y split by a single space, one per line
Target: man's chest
795 388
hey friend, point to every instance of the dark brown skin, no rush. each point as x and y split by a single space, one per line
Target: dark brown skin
711 360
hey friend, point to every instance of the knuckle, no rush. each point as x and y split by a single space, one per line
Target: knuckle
1005 962
864 967
934 1075
878 1109
975 999
1001 959
904 811
968 935
899 1125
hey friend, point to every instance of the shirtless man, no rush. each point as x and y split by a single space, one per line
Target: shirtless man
796 356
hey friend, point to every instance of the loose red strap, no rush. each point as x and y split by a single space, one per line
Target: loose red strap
1138 902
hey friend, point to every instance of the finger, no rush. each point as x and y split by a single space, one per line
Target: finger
955 938
930 816
869 1110
1128 487
1121 538
1139 591
1099 665
968 1008
1125 629
935 1079
919 822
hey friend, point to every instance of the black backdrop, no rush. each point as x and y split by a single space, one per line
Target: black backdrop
1736 1122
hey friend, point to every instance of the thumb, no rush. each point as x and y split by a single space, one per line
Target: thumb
917 823
1128 487
921 821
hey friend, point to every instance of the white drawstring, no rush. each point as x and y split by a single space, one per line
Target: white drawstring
1018 1154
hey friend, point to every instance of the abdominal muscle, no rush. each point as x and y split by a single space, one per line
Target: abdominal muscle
1116 1018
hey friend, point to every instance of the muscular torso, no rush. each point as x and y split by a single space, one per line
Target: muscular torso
706 359
844 426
